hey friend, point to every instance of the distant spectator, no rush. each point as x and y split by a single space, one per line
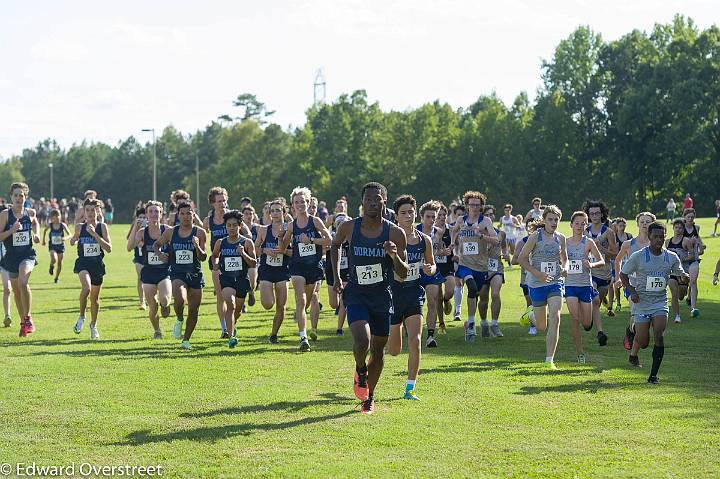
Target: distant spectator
671 207
688 203
109 210
322 211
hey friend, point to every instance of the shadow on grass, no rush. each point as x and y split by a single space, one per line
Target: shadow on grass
592 387
466 367
287 406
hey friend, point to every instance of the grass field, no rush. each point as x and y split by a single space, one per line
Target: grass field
488 408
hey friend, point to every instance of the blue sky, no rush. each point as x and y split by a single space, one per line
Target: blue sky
102 71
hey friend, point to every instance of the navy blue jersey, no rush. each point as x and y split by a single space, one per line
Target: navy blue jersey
370 266
415 259
149 258
183 258
271 241
217 231
56 236
88 247
306 254
19 244
231 261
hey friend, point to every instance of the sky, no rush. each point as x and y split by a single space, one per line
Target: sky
102 71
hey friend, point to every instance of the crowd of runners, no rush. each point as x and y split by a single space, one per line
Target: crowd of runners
388 275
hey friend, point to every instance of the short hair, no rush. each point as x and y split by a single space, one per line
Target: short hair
313 198
90 194
23 186
245 199
93 202
278 201
301 190
537 199
232 214
184 204
54 213
679 221
604 211
488 207
552 209
153 203
404 200
687 211
431 205
474 194
458 207
645 213
442 207
655 225
138 211
179 195
508 205
374 185
578 213
248 207
214 191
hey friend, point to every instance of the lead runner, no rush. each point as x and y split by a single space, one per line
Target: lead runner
376 247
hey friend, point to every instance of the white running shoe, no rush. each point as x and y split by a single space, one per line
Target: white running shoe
94 334
186 345
177 329
79 325
677 319
470 331
532 331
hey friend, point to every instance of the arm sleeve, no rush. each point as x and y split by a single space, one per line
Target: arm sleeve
629 266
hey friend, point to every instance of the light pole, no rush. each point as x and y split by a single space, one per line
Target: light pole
154 163
52 186
197 176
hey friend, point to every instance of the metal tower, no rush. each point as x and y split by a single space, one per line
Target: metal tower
319 87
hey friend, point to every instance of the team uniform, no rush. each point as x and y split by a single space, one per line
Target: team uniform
472 253
217 231
438 277
545 257
233 268
601 275
495 265
90 256
306 258
18 246
408 295
368 296
57 243
578 283
274 270
682 255
184 263
523 272
154 270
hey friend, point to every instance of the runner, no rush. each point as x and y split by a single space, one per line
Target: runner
458 213
139 223
509 225
59 233
670 210
233 255
643 220
717 218
683 248
186 245
334 298
431 283
407 293
80 214
496 278
536 212
93 241
445 263
652 267
248 220
214 223
315 304
544 257
472 235
307 234
376 248
579 291
7 287
177 197
621 236
155 273
274 272
528 317
692 231
604 238
19 228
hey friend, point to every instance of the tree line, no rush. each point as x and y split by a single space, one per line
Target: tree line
633 121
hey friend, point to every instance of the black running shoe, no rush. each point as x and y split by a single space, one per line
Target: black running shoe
51 270
653 380
273 339
602 338
635 361
629 338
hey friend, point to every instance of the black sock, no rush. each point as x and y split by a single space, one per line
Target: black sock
657 354
431 332
362 370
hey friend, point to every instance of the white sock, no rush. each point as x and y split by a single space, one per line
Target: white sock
484 322
302 334
548 359
494 322
223 325
457 296
411 383
471 319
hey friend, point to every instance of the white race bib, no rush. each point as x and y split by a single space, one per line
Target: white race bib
655 284
56 240
343 262
21 238
470 247
183 256
493 265
413 271
91 249
575 266
274 261
154 259
548 267
233 263
441 259
306 249
369 274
